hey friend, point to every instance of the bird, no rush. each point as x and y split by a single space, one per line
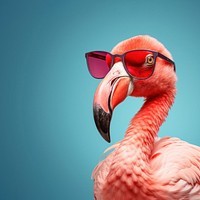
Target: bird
142 165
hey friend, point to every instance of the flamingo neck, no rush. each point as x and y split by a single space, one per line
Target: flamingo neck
145 124
130 165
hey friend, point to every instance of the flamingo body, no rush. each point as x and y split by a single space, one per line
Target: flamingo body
143 166
169 178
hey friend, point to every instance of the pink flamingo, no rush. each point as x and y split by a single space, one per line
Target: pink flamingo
142 166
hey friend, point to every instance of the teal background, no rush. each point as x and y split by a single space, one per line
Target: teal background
48 141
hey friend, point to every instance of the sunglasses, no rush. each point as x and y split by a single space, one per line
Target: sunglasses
139 64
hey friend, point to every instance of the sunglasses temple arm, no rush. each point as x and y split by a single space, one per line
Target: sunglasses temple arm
168 60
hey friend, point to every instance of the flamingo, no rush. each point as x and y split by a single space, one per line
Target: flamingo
142 165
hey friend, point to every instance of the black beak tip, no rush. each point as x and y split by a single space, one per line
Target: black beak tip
102 120
106 136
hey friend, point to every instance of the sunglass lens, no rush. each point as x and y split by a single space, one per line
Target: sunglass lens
140 64
98 63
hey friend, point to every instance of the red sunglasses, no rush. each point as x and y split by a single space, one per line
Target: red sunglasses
139 64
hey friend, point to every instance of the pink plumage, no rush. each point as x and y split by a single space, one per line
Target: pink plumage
143 166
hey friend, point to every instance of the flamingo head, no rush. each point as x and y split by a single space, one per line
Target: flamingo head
118 83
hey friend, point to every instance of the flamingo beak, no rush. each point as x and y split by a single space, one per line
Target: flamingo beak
113 89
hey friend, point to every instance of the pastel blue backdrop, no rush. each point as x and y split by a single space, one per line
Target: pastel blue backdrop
48 141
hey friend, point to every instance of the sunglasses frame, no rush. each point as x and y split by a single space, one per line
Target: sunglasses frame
122 56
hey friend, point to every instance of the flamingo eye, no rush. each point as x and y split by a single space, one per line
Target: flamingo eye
149 60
